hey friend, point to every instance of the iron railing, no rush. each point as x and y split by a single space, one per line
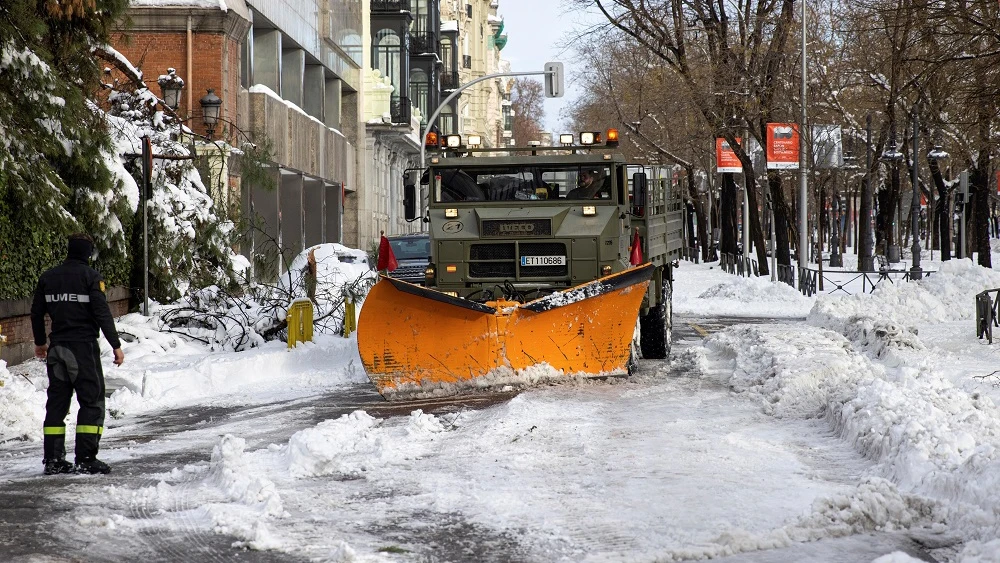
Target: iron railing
449 80
422 42
840 280
987 317
738 264
390 6
691 254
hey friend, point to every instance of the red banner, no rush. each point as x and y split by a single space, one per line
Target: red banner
783 146
725 159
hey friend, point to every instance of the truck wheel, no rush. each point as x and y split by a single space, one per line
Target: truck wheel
634 350
656 326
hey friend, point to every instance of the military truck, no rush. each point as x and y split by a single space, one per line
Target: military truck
559 258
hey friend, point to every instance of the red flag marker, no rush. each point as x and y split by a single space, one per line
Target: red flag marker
635 257
386 258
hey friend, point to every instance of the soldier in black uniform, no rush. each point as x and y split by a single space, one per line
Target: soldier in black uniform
72 294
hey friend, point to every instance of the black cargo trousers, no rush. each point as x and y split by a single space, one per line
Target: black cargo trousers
74 366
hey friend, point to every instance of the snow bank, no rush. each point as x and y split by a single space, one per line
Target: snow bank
947 295
707 290
879 386
22 407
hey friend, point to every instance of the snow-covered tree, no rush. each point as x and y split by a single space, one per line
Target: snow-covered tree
51 138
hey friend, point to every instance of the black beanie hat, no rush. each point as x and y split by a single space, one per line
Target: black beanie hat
80 248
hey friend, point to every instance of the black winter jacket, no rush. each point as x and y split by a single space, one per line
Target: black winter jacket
72 294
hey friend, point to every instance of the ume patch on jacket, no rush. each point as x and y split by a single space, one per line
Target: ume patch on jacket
69 297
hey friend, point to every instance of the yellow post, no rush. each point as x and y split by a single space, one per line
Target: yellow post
350 318
300 322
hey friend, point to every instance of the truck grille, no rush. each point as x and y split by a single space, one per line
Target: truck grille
519 228
502 260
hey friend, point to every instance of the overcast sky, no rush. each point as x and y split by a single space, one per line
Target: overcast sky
538 32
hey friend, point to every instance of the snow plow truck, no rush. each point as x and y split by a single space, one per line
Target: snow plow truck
555 260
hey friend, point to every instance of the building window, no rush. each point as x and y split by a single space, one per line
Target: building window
447 121
447 54
419 91
468 10
466 61
421 17
387 56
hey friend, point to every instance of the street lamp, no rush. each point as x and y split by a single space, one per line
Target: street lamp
935 156
171 86
892 156
211 105
915 272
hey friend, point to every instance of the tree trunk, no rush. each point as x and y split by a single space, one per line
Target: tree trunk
979 181
728 214
756 231
780 207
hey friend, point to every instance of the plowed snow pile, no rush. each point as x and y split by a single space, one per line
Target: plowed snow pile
879 369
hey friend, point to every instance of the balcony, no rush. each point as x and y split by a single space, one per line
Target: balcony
423 42
449 80
391 6
466 61
399 109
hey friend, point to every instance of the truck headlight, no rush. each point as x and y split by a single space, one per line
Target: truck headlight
606 270
429 273
589 210
450 213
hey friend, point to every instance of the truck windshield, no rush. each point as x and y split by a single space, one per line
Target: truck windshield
524 183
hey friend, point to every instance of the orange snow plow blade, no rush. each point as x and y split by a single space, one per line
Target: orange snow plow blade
416 340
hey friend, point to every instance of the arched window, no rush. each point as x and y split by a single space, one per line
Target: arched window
419 91
447 54
387 56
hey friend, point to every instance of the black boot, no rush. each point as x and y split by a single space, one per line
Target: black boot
93 465
57 466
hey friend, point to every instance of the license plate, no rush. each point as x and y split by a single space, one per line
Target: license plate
543 260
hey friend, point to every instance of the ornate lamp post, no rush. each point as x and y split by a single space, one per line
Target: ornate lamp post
171 86
915 272
211 106
892 156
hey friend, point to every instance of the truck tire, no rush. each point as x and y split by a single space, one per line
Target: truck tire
656 326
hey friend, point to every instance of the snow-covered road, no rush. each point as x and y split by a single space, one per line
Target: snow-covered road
858 428
668 465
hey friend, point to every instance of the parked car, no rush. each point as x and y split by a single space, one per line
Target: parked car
412 253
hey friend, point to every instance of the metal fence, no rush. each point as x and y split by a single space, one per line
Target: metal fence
812 281
987 313
691 254
738 264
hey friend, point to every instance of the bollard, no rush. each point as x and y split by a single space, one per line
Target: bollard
300 322
350 318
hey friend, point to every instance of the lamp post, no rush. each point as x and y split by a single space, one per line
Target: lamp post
915 272
892 156
171 86
936 155
211 105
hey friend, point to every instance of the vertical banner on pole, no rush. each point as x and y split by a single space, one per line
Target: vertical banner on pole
725 158
782 146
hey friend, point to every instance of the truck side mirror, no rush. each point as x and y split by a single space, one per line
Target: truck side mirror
410 195
639 189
